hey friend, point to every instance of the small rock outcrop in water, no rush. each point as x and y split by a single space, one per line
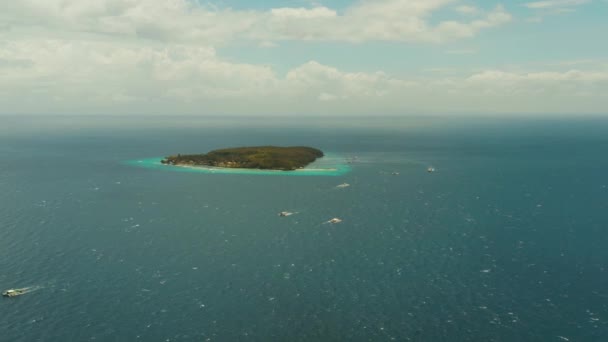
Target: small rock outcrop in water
256 157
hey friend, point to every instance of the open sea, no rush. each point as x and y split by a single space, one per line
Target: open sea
506 241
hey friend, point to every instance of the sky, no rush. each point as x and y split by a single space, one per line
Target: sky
293 57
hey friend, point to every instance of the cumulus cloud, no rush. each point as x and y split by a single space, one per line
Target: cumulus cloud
567 91
96 75
65 68
554 7
550 76
133 56
553 4
318 78
455 29
303 13
387 20
185 21
469 10
100 76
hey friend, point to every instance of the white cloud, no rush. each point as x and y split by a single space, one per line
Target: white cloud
267 44
496 76
570 91
183 21
129 56
314 78
455 29
303 13
41 75
91 72
553 4
468 10
552 7
89 76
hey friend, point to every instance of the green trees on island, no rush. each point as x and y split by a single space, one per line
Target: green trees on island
256 157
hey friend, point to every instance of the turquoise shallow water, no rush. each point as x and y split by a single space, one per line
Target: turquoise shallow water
506 241
329 165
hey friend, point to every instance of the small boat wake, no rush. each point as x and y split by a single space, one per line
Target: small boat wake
21 291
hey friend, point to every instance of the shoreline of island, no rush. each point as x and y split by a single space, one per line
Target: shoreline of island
331 166
217 168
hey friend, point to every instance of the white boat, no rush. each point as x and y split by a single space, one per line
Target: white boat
343 185
334 220
430 169
14 292
285 213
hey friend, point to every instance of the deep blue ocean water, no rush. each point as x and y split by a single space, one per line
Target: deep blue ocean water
506 241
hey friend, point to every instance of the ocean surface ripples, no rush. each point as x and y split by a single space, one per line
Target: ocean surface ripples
498 244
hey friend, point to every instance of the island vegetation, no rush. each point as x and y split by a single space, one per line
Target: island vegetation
255 157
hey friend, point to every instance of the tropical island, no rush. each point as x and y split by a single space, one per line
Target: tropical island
254 157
